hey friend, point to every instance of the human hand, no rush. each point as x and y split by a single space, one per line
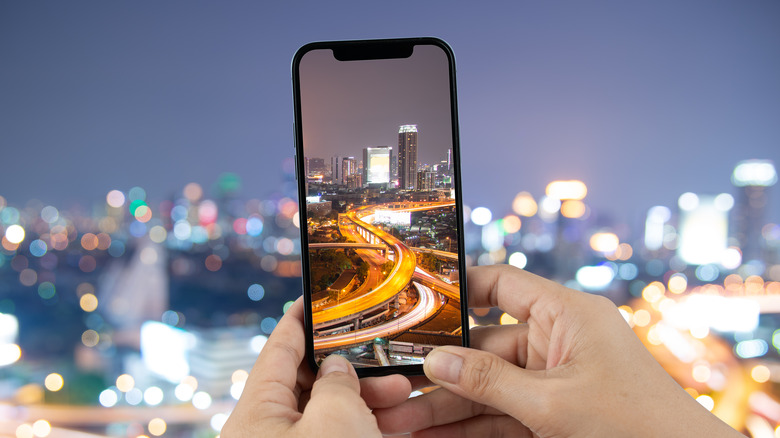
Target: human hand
574 368
283 398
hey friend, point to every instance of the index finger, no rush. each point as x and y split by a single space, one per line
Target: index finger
513 290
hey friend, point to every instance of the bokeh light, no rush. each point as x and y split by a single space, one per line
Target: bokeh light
481 216
125 382
115 199
15 234
524 204
41 428
604 242
157 426
566 190
54 382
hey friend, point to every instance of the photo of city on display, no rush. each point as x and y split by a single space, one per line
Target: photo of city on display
380 207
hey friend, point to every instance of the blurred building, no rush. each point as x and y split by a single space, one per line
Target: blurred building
703 228
753 178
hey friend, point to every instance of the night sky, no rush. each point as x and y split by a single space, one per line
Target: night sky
350 105
641 100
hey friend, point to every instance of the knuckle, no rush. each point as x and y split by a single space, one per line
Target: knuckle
478 375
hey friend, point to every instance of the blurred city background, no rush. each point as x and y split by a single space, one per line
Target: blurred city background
148 210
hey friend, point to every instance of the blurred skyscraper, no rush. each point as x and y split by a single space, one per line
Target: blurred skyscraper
753 179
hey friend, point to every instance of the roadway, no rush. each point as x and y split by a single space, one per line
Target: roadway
427 305
370 295
398 279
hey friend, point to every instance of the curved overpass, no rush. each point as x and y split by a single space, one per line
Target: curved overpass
426 307
398 279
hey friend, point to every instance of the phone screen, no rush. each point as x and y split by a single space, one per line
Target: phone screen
378 173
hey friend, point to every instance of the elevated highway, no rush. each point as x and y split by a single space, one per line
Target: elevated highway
405 272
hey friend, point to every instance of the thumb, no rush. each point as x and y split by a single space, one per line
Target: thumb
336 405
336 379
487 379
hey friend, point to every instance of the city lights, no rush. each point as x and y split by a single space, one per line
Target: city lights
573 209
684 306
54 382
157 426
524 204
481 216
595 278
604 242
9 354
754 173
566 190
518 260
15 234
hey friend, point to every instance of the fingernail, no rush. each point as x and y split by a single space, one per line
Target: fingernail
334 364
444 366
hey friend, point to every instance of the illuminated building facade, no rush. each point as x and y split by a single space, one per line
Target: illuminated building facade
407 157
426 180
376 165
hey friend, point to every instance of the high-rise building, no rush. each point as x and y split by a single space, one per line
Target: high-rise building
426 180
393 167
407 157
376 165
335 169
753 179
348 168
316 165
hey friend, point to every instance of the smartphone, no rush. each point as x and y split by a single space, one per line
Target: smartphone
377 164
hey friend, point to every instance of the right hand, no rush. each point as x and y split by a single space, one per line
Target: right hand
574 368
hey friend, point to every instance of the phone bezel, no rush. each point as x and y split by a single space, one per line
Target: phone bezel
349 50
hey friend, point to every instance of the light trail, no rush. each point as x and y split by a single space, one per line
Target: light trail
426 307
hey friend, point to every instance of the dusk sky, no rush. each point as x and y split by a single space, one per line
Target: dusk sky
642 101
350 105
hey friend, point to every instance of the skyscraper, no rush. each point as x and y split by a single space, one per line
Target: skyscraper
348 168
753 179
335 169
407 157
376 165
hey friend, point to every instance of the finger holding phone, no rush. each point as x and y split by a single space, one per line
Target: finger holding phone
283 398
574 368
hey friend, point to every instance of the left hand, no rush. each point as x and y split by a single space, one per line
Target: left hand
283 398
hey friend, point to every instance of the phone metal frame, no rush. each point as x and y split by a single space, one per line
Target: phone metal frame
364 50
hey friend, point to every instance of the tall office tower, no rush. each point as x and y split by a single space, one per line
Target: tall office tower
348 168
407 157
449 161
426 180
393 166
376 165
335 169
753 179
